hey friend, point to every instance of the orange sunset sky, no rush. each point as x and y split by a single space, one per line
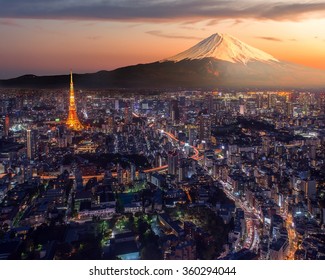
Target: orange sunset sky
50 37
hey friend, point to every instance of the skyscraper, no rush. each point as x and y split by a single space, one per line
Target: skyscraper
242 109
119 174
117 104
182 170
6 126
172 162
73 120
31 143
205 127
289 108
127 114
210 104
192 134
132 172
111 123
175 115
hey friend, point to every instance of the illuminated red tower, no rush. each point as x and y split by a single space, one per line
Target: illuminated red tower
7 125
73 120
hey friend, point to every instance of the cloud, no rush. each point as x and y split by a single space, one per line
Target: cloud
94 38
237 22
161 10
186 27
9 22
171 36
213 22
294 11
270 39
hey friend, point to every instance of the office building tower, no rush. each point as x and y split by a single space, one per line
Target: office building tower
172 162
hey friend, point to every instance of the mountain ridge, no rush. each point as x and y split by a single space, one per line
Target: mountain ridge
219 61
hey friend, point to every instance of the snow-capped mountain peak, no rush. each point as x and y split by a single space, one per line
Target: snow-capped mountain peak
223 47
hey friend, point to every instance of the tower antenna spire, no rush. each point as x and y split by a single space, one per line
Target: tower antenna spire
73 121
71 81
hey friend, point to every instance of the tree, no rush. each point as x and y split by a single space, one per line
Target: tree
143 226
63 251
130 223
151 252
119 205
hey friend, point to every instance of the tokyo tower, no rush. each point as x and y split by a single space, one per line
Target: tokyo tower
73 121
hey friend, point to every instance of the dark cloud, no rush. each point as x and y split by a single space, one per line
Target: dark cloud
158 10
293 11
270 39
171 36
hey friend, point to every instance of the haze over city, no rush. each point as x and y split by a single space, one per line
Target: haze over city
50 37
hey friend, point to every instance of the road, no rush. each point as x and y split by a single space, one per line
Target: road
196 155
251 218
293 246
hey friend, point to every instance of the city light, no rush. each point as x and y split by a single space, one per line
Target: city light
214 153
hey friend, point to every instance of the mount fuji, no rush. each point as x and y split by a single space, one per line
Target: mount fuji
219 61
226 48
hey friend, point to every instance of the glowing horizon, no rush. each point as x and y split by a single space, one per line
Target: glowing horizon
106 35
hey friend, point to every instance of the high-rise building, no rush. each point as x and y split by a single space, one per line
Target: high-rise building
182 100
312 151
210 105
127 114
117 104
242 109
259 100
73 120
78 181
182 170
204 127
31 143
132 172
2 126
175 116
119 174
289 109
192 134
111 123
269 101
6 126
172 162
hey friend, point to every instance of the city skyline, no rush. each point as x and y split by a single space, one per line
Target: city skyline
49 38
176 175
215 150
